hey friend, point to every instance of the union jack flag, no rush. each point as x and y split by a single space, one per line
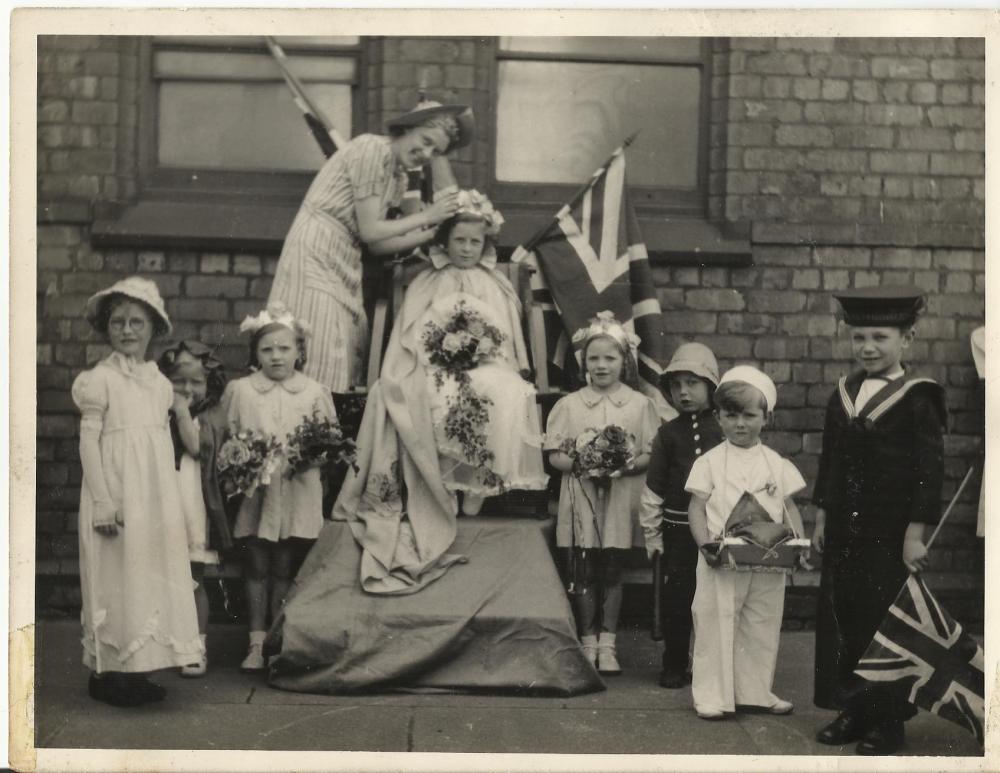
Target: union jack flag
919 646
592 258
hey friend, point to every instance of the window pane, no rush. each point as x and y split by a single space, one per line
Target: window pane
285 41
246 66
244 126
557 121
622 48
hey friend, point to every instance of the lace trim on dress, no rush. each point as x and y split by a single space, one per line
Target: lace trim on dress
150 632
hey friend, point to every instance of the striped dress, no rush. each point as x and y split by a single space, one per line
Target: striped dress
319 272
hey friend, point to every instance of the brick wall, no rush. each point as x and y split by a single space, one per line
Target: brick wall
857 162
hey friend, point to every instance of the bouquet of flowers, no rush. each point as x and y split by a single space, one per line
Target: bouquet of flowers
598 452
247 460
316 441
464 341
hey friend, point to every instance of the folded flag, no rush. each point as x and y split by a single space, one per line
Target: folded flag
592 258
921 648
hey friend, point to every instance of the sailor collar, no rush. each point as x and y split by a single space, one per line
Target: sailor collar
619 398
293 384
882 401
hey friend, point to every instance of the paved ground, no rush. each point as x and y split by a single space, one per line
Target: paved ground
228 710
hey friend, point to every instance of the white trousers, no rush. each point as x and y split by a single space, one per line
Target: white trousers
737 626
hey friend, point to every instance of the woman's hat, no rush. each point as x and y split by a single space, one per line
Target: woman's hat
755 378
694 358
137 288
891 306
428 109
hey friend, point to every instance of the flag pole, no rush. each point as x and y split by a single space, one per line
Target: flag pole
951 504
529 245
318 122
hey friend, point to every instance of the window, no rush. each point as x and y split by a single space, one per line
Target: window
225 155
563 104
218 116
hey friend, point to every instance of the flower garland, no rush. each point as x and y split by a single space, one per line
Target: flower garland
465 340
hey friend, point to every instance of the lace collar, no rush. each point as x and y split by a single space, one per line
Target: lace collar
293 384
132 367
620 397
438 257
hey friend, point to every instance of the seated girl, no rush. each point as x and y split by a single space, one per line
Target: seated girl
449 414
463 279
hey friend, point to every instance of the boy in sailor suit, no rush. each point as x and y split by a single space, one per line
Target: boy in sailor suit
878 486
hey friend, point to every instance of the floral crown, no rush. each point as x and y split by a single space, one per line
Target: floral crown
275 314
472 202
605 324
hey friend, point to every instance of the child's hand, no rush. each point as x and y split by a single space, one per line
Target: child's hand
915 555
181 404
710 550
107 519
819 538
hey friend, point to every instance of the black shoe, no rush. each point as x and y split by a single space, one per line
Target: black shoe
112 688
845 728
883 739
673 680
148 692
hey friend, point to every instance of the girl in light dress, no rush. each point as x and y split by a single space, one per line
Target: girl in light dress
463 258
197 427
598 535
402 501
138 610
282 518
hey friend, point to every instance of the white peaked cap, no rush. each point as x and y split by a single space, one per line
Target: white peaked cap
755 378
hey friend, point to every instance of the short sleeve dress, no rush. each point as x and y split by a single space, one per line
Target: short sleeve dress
577 523
138 610
319 271
288 506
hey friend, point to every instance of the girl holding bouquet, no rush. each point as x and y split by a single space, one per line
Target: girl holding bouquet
284 509
197 427
450 412
600 437
476 362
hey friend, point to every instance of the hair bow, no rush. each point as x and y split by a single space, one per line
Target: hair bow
275 314
605 324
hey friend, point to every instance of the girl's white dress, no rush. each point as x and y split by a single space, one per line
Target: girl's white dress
513 433
287 507
138 607
578 524
193 504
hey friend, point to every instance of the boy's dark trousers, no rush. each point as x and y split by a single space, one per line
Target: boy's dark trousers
680 560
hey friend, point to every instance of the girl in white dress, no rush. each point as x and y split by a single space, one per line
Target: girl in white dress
599 527
138 611
464 271
277 518
197 427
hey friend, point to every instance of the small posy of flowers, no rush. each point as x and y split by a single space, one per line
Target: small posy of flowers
465 341
599 452
246 460
317 441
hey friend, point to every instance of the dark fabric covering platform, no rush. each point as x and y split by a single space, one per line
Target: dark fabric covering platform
499 623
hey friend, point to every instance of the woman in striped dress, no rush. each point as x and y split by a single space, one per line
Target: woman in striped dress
319 272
